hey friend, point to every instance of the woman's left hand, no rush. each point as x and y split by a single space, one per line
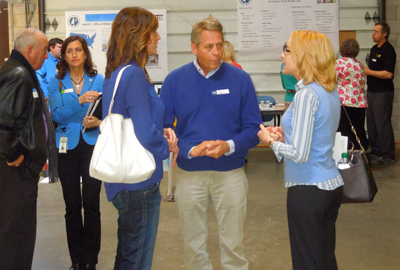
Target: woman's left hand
91 121
169 134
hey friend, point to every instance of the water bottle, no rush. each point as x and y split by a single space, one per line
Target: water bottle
344 163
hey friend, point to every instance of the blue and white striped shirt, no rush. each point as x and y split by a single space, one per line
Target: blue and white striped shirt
302 134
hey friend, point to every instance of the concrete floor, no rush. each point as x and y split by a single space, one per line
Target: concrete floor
368 235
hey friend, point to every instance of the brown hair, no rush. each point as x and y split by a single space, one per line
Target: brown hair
385 29
349 48
209 23
130 34
315 58
88 66
53 42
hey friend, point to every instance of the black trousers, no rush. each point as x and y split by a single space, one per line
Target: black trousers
18 198
83 234
312 215
357 117
379 123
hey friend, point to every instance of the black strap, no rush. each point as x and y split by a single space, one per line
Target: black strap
352 128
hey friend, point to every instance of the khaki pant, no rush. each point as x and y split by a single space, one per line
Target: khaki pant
227 191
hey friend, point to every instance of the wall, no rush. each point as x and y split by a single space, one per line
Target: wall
265 75
393 19
17 19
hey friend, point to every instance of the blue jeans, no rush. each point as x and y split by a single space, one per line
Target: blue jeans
139 212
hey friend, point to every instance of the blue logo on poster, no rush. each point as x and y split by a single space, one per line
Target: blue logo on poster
73 21
244 2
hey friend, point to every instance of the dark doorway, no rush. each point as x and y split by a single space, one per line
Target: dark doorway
4 42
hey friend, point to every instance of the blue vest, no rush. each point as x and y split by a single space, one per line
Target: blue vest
320 165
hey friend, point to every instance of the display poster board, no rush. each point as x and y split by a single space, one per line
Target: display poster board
265 25
95 28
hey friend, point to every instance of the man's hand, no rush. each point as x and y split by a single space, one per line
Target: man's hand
200 150
17 162
216 149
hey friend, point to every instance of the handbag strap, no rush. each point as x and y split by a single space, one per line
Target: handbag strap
116 87
352 128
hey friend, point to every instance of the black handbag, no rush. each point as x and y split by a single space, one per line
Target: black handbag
359 183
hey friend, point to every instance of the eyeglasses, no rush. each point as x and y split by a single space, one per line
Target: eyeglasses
285 49
375 31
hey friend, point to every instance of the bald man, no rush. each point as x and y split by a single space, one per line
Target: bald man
25 131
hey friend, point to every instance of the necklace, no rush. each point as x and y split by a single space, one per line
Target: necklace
77 84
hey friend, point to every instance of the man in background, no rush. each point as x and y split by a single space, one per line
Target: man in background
25 131
48 69
380 72
217 114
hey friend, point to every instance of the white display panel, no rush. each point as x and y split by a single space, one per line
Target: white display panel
95 28
265 25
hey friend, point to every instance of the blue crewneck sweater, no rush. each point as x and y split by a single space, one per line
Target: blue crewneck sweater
222 107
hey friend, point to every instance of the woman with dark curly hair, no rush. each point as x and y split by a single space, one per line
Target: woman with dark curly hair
350 83
70 93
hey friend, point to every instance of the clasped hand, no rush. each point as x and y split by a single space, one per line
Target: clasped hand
267 133
213 149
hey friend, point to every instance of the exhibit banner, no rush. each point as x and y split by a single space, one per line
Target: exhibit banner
95 28
265 25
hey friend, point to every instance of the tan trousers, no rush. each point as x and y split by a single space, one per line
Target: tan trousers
227 191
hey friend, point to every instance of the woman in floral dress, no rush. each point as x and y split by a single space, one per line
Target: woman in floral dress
350 83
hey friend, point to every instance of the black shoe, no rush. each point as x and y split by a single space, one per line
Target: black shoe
75 267
88 266
385 160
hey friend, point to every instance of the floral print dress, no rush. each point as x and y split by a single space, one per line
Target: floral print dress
350 82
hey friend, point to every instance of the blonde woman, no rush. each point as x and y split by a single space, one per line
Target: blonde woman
305 140
229 54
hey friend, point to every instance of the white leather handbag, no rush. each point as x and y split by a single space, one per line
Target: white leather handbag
118 156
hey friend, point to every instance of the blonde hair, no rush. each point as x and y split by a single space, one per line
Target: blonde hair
210 23
314 56
229 53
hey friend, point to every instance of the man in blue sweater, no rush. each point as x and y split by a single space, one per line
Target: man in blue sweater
217 114
48 69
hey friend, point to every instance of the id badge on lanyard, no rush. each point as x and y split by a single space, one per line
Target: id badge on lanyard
63 145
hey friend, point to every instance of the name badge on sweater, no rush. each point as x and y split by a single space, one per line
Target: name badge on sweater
221 92
35 93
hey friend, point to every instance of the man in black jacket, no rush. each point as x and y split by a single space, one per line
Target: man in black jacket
25 131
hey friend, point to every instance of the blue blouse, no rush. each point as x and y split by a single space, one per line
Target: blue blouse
137 99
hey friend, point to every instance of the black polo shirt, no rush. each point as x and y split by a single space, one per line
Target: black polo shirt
382 58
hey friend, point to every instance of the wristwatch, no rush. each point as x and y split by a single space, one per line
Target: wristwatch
270 143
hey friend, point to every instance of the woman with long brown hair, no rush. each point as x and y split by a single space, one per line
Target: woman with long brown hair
70 93
134 38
